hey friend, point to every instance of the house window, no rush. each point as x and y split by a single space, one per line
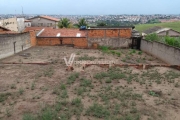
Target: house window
40 24
49 24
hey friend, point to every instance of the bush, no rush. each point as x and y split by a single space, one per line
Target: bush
152 37
172 41
167 39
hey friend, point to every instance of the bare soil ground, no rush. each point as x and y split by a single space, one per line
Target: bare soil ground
49 92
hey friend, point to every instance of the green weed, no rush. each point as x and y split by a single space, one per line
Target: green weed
21 91
72 78
62 86
4 96
28 116
98 111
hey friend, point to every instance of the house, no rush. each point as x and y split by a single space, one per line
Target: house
44 21
161 31
4 30
13 24
27 23
95 36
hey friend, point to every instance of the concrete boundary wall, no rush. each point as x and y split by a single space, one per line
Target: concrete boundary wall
164 52
13 43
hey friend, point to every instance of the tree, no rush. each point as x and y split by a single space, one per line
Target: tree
101 24
82 22
64 23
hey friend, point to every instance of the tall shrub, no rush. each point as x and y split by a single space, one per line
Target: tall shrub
152 37
172 41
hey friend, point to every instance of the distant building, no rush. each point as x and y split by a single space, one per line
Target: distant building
4 30
161 32
44 21
13 24
27 23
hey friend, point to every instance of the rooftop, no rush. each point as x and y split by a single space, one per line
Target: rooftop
46 17
152 30
158 30
162 30
27 21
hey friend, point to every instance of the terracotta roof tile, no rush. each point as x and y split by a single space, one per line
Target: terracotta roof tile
27 21
48 32
50 18
46 17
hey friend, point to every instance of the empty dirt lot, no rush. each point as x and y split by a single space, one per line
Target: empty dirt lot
49 92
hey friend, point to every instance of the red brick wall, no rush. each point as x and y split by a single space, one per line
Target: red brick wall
33 38
1 30
122 33
112 33
125 33
78 42
82 42
43 41
96 33
67 41
54 41
48 41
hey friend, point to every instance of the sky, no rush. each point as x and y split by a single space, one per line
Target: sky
90 7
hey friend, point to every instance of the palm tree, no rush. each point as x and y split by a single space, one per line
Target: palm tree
64 23
82 22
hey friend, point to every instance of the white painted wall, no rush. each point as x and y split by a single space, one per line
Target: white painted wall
20 24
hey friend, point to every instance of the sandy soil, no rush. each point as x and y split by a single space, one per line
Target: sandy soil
27 88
